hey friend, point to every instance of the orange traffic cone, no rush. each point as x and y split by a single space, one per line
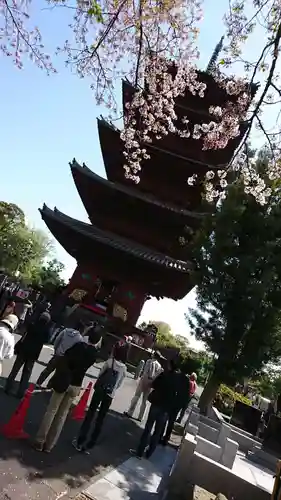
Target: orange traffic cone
14 428
79 411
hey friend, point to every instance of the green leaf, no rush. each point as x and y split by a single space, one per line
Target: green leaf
96 12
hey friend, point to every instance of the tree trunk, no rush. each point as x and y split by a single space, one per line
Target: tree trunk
209 393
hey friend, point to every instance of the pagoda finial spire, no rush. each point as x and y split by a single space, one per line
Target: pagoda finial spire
215 55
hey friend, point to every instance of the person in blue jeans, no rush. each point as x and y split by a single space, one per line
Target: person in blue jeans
162 399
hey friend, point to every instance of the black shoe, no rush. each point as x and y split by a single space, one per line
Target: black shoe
85 450
126 414
77 446
135 453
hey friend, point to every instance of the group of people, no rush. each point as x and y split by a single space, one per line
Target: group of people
169 390
75 351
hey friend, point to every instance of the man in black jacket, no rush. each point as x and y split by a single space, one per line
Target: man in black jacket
28 350
66 385
163 399
180 401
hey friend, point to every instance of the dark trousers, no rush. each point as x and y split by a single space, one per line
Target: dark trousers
25 376
183 410
100 401
157 419
167 430
50 368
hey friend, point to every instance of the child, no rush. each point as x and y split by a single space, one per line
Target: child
110 379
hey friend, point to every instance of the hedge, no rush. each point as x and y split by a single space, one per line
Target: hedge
227 392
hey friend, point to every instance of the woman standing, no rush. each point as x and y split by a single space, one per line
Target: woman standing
110 379
28 350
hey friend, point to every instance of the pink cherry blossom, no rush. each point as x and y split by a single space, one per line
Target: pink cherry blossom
153 44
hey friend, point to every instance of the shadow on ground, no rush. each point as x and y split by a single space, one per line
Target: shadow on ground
19 460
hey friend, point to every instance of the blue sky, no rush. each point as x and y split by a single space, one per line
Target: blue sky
46 121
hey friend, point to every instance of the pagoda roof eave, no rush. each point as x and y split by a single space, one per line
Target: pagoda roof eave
119 243
172 154
173 171
129 191
128 89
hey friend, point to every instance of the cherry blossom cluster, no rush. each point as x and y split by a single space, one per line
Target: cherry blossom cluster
216 182
16 39
241 21
153 43
118 47
151 113
135 40
255 185
243 17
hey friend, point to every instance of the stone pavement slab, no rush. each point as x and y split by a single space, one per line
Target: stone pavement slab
134 479
63 470
255 474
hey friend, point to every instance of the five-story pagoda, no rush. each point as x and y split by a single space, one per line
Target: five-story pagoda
131 249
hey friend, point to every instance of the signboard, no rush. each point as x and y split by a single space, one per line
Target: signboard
119 312
22 294
77 294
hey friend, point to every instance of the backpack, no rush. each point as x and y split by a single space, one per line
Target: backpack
107 380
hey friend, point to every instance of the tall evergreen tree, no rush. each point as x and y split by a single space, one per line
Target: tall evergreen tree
238 278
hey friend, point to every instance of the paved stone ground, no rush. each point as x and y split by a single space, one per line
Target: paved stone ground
194 493
27 474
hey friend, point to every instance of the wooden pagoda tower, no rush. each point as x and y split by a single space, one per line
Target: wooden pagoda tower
130 249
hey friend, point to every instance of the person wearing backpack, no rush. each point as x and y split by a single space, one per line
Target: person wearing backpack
66 385
67 338
110 379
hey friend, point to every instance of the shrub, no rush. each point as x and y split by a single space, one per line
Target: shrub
226 399
235 396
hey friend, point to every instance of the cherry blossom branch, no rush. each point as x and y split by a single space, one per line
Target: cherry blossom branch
137 40
140 45
275 43
20 39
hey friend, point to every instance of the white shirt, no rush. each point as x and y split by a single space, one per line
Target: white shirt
152 368
7 343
